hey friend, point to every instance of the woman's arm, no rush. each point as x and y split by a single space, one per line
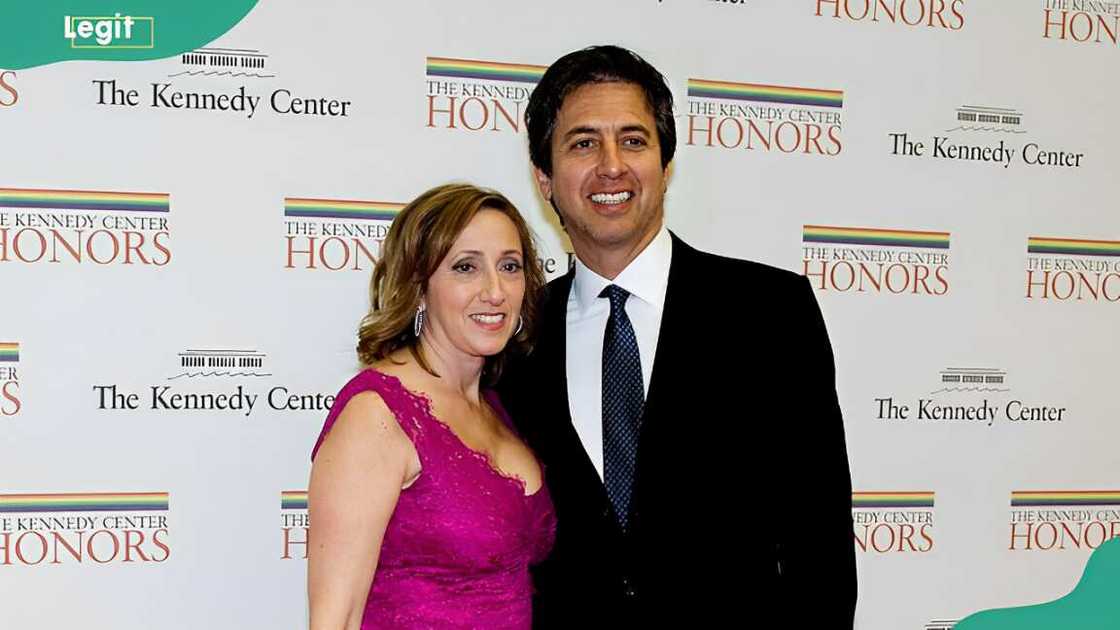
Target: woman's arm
355 482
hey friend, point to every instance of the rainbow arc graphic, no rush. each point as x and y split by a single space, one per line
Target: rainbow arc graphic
1064 498
487 70
293 500
303 207
9 351
874 236
763 93
105 201
908 499
85 502
1070 246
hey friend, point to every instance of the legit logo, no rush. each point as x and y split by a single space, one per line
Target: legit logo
115 31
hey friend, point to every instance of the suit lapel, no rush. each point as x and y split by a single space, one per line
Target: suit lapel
674 317
560 441
677 317
551 352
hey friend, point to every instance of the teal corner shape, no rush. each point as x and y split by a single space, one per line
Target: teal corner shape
1094 604
33 32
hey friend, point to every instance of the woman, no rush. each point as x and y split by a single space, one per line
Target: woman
426 507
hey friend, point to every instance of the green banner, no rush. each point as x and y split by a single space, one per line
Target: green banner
39 32
1092 605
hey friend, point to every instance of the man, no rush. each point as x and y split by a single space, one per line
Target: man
683 404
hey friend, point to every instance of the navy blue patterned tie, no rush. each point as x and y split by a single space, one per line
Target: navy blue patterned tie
623 398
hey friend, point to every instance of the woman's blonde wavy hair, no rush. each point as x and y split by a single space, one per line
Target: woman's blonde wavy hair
418 241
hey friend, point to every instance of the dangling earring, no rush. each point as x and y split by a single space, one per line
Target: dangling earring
418 321
520 325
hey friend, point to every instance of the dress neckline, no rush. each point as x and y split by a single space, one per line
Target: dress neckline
482 457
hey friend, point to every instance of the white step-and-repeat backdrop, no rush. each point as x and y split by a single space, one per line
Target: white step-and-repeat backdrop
185 246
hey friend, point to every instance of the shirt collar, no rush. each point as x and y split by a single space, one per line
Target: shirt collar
646 277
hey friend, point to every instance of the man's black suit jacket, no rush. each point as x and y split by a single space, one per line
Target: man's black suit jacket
742 498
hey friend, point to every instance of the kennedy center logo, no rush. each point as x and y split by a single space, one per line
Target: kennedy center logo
1061 520
212 381
1074 270
204 363
83 528
998 150
768 118
40 226
893 522
335 235
232 62
971 396
876 260
219 81
479 96
1081 21
944 14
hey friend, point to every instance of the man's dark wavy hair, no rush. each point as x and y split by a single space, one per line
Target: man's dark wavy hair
596 64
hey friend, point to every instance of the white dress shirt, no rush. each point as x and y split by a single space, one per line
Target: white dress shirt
646 279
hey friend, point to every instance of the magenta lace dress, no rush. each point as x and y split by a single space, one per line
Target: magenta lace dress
457 549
